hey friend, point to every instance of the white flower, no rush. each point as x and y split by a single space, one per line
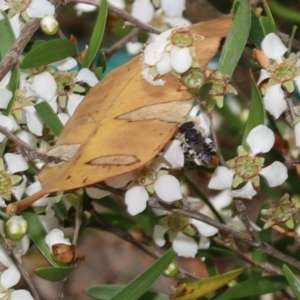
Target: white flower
143 10
166 54
9 123
173 9
246 167
279 71
56 236
5 94
21 294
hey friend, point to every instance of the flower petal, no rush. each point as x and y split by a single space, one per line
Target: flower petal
73 102
63 118
158 235
147 75
154 52
221 200
136 199
21 294
133 48
204 243
173 8
164 65
44 85
260 139
10 277
273 46
274 101
203 228
297 134
40 8
275 174
167 188
5 97
263 76
65 64
246 192
15 162
56 236
185 245
221 179
16 25
19 190
174 154
34 122
181 59
87 76
143 10
28 138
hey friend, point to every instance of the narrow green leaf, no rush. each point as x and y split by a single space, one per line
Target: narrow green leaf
256 32
106 292
138 286
270 18
236 40
254 287
13 85
6 34
293 281
267 25
49 52
97 36
256 115
54 274
37 233
50 118
199 288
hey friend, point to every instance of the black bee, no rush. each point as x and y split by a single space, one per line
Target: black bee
197 145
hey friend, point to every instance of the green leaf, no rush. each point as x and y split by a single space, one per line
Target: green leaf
138 286
37 233
236 40
106 292
267 25
118 220
199 288
293 282
97 36
255 287
271 23
13 85
256 115
49 117
256 32
54 274
6 34
49 52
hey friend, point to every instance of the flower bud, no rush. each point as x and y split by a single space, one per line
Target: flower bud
49 25
172 270
64 253
193 79
15 228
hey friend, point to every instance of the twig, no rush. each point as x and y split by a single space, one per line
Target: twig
121 42
121 13
241 208
12 56
290 105
28 152
268 268
128 237
215 139
24 274
264 247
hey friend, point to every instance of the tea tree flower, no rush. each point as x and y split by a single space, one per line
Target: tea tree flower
5 94
171 51
247 167
281 73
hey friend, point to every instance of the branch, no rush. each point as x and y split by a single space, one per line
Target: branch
121 13
24 274
27 151
12 56
264 247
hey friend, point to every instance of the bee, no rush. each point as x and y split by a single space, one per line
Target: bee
199 148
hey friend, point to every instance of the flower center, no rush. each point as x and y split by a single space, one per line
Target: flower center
176 223
20 101
146 176
182 38
18 6
246 167
65 83
5 183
